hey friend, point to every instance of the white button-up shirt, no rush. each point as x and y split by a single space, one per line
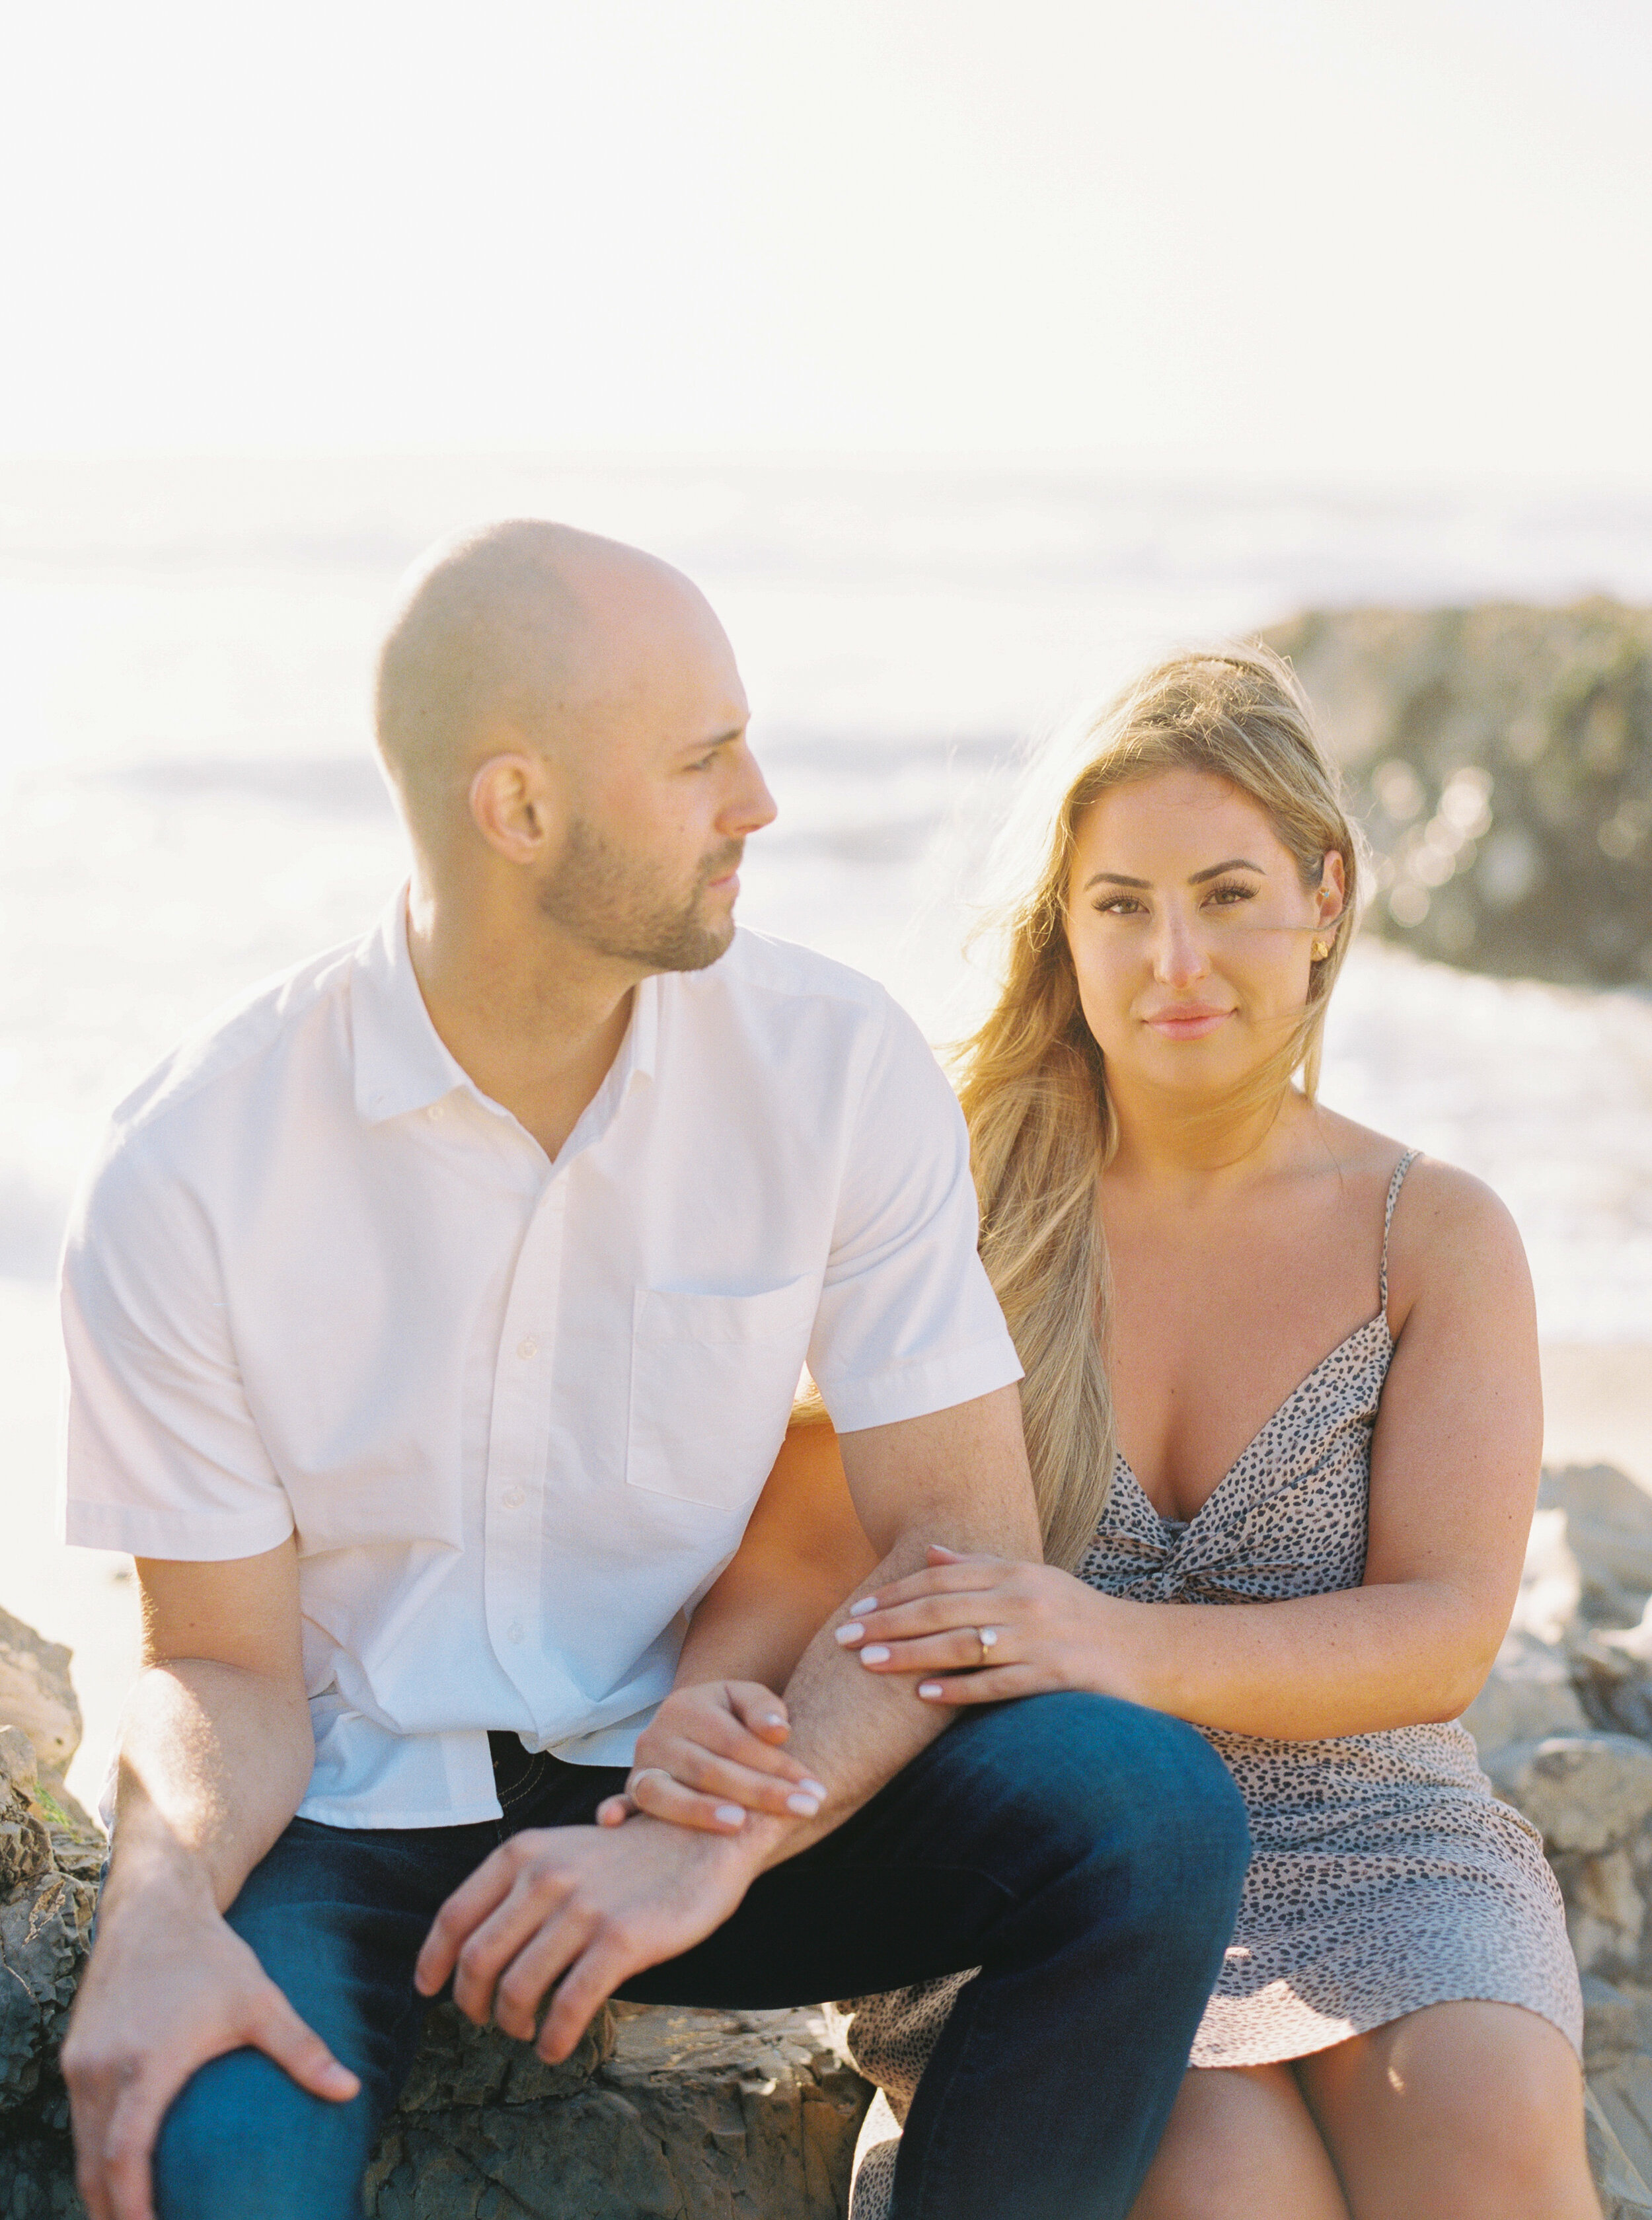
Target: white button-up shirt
515 1413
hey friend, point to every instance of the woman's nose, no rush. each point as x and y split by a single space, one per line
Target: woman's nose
1179 958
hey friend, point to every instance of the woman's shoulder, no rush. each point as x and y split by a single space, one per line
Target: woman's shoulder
1447 1225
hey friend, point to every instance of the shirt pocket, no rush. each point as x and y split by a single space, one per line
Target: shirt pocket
712 1382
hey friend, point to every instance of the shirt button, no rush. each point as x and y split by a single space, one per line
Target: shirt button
512 1497
514 1632
527 1349
437 1113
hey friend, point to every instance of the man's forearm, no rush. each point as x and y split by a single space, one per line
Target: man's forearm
965 1487
214 1761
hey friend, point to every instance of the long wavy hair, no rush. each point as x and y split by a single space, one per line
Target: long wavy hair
1033 1082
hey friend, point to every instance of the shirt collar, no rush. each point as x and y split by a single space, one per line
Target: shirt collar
401 1062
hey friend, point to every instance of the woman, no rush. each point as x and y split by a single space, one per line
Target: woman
1282 1410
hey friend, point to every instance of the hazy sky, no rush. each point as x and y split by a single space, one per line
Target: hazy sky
1310 237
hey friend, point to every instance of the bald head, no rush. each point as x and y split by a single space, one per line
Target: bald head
525 632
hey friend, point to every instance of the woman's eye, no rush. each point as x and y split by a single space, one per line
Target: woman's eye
1226 895
1118 905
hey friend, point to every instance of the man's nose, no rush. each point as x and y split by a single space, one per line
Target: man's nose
751 807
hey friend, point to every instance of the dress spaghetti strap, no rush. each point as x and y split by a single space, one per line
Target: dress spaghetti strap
1394 1186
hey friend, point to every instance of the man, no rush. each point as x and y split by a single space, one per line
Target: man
433 1323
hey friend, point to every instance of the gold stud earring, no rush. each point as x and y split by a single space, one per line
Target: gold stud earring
1321 950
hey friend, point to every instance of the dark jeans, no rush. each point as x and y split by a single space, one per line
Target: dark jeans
1086 1855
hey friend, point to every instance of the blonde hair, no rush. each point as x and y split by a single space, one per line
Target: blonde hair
1033 1082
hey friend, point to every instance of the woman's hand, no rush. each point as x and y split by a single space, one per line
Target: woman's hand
981 1630
710 1754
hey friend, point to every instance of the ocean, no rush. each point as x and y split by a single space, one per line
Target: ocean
190 801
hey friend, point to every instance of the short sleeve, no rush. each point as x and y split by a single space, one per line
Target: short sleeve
907 1321
162 1456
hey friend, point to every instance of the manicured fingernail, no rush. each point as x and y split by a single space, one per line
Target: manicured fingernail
931 1688
849 1631
805 1806
773 1719
866 1604
874 1654
812 1788
731 1815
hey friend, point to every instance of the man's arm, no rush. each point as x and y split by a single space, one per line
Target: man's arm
581 1910
215 1753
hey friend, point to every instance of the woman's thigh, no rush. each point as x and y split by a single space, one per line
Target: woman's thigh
1462 2112
1241 2145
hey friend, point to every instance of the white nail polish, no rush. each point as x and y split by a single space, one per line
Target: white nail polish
812 1788
849 1631
731 1815
929 1687
866 1604
874 1654
805 1806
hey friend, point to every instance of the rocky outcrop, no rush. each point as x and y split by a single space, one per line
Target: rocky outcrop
682 2115
1500 760
38 1697
1564 1728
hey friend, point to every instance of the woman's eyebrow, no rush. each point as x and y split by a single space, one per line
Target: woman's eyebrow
1233 863
1195 878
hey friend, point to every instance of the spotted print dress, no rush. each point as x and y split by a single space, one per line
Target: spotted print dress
1385 1875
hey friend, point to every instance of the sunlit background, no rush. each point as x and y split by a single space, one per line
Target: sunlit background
967 356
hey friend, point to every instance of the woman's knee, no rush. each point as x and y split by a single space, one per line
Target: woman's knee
1476 2106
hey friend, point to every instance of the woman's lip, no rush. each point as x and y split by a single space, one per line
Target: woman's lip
1190 1023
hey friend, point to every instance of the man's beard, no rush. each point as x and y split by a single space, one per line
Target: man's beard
617 907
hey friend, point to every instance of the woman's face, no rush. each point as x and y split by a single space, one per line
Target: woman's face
1191 930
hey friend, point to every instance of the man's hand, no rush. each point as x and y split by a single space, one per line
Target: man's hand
169 1987
580 1909
710 1754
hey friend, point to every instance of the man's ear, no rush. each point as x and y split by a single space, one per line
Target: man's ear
513 807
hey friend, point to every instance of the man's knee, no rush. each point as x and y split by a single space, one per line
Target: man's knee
1141 1792
244 2141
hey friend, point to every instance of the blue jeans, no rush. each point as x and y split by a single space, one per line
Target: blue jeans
1085 1854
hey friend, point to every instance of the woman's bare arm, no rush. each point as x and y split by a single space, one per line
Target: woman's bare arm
1455 1467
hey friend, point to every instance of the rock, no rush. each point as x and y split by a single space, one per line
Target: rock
1501 759
458 2064
1608 1534
1615 2107
1528 1697
25 1845
690 2115
37 1694
1589 1793
44 1931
